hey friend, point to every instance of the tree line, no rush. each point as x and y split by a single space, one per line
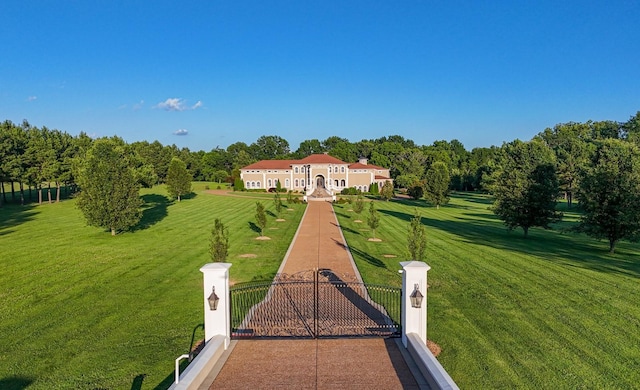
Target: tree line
595 162
33 158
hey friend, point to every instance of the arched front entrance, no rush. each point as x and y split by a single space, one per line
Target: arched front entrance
320 182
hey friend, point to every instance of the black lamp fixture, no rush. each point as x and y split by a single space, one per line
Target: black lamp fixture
214 299
416 297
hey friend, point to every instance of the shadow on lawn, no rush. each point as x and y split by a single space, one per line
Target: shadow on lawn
474 197
154 210
188 196
346 229
15 383
255 227
137 382
367 257
194 349
343 215
571 249
11 216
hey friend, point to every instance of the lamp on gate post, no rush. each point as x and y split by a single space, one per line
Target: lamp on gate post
213 299
416 297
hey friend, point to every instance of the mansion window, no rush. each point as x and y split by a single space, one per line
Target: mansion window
297 183
329 168
343 183
336 181
302 183
257 184
295 170
248 185
269 183
302 170
286 183
342 169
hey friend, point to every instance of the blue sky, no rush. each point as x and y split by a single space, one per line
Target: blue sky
210 73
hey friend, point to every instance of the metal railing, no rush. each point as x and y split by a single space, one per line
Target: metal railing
315 308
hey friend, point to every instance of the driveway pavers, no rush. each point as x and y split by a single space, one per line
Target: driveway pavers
345 363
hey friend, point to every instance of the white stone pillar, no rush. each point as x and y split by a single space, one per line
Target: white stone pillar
414 320
217 322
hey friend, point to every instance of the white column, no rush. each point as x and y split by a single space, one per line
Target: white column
217 322
414 320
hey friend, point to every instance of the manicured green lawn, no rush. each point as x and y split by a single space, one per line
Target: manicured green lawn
80 309
554 311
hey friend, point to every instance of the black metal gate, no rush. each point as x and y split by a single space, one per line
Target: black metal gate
314 304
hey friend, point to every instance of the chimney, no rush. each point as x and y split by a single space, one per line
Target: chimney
362 160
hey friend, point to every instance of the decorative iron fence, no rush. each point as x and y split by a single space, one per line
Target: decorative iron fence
324 306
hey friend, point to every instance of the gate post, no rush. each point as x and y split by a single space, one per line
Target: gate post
414 320
218 321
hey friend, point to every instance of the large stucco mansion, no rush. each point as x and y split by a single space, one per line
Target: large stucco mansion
318 174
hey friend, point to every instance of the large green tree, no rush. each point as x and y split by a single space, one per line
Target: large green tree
631 128
178 179
340 148
436 184
526 186
570 142
309 147
610 193
109 196
411 167
270 147
387 191
14 140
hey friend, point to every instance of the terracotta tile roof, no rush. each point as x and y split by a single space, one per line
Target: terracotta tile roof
312 159
271 164
378 177
363 166
320 159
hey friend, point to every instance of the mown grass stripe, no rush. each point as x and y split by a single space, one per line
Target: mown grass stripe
551 311
82 309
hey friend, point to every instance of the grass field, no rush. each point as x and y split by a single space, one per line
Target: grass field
554 311
80 309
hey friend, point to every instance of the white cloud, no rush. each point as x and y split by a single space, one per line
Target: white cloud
32 98
181 132
172 104
177 104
